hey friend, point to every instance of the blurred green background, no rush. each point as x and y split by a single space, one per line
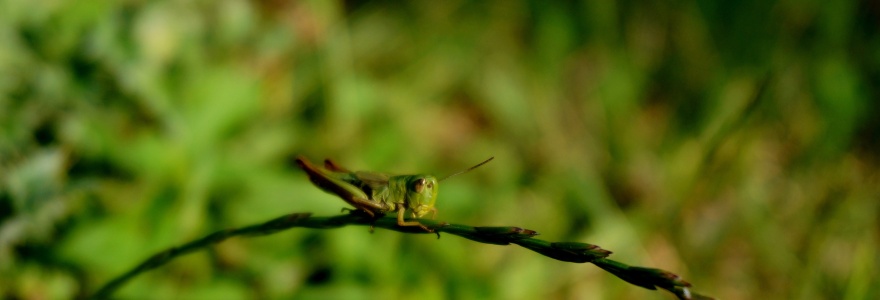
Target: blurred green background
733 143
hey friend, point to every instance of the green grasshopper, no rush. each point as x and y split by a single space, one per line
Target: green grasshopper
377 193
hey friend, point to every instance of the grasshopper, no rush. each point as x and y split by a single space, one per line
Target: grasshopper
377 193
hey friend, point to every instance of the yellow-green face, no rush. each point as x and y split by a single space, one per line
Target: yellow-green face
421 193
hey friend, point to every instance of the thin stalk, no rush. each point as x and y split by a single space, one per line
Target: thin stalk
648 278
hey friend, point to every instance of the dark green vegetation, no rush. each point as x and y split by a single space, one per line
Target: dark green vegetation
735 144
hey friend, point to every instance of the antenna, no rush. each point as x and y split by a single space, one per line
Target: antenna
468 169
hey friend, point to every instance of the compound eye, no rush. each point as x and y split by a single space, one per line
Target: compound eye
420 185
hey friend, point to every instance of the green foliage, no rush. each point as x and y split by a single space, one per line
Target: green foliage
734 144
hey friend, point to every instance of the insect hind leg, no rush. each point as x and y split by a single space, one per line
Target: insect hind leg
333 166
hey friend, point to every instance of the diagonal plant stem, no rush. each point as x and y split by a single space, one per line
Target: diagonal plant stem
648 278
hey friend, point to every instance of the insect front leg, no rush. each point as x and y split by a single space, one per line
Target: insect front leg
401 222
